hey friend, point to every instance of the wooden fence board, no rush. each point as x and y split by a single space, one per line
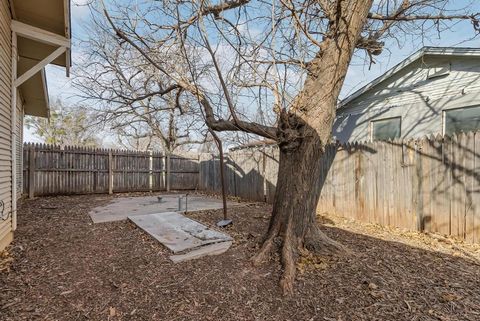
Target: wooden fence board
476 190
469 163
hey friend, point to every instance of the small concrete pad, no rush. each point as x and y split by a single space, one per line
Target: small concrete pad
121 208
179 233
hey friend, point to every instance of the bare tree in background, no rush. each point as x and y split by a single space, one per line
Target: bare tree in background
275 69
131 98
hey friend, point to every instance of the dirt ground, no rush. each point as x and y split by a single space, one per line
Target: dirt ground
66 268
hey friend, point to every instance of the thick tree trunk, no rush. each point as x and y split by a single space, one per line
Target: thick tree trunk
303 133
294 209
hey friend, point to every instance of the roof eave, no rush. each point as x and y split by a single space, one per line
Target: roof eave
39 106
430 51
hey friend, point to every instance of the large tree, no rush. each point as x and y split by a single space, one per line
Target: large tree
275 69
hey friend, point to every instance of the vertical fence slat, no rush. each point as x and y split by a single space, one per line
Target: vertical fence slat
31 171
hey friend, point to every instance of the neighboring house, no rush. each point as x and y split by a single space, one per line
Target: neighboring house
33 33
434 91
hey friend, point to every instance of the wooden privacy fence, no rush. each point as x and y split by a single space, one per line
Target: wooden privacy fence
430 184
52 170
249 173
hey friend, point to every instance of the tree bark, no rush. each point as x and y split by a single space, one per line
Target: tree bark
303 134
294 209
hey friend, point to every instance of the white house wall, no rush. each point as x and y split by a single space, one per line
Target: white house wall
411 95
5 125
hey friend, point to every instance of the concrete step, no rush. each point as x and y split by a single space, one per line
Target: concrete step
211 249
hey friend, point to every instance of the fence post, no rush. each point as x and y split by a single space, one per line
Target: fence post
419 186
150 170
168 172
31 172
199 175
164 183
94 153
110 172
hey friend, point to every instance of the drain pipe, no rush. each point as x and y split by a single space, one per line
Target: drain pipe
226 221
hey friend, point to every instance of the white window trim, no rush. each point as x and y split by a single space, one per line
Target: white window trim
444 115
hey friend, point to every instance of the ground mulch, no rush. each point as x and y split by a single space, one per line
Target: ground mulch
62 267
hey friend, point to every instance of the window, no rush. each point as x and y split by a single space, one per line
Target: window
385 129
462 120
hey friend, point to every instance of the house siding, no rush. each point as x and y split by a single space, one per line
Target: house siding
5 125
19 144
419 101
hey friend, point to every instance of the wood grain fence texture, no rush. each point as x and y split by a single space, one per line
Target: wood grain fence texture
250 174
52 170
430 184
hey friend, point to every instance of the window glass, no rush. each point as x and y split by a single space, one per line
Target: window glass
462 120
385 129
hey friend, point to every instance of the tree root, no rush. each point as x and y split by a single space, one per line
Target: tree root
289 259
315 240
319 243
264 252
267 246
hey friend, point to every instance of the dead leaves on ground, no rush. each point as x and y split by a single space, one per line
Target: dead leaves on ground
309 261
5 261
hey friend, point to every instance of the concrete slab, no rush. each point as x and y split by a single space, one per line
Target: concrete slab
177 232
186 238
121 208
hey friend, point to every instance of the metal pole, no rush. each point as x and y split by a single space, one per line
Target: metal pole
222 173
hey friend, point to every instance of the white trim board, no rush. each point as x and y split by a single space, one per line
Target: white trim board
34 33
39 66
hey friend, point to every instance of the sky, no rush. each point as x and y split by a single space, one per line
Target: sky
360 72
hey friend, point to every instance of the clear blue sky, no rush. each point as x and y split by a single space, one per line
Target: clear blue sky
359 73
